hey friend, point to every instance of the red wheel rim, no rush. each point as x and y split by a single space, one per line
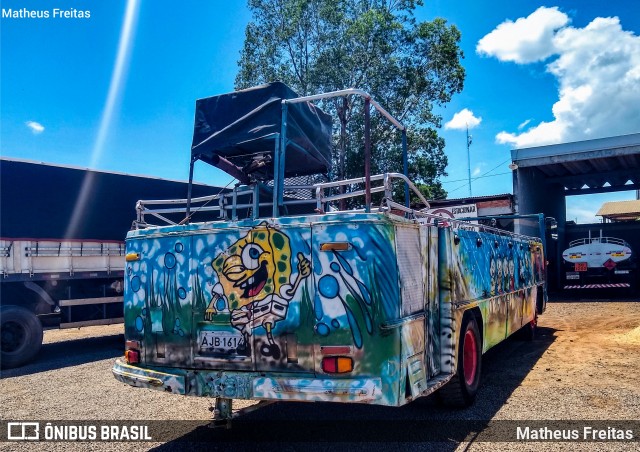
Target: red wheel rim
470 357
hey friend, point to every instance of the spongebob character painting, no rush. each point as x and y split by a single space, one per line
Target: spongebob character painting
254 283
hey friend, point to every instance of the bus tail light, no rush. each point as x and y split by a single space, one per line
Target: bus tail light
337 364
132 353
132 356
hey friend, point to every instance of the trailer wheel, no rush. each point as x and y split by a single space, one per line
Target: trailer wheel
21 336
461 390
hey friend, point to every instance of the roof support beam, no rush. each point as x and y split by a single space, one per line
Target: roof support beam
590 191
597 178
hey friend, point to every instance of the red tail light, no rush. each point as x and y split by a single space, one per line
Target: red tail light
337 364
132 356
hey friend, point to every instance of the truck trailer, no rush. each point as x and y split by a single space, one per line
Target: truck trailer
597 262
62 235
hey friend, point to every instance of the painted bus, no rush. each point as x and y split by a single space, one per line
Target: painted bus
288 297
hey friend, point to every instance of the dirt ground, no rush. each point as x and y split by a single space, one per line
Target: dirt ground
596 347
583 365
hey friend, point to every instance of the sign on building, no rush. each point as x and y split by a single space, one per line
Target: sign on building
455 212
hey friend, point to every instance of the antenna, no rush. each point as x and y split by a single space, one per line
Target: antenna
469 141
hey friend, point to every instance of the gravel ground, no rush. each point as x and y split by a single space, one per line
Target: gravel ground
584 365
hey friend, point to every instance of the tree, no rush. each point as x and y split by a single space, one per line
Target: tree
375 45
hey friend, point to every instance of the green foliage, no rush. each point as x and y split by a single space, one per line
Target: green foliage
378 46
200 302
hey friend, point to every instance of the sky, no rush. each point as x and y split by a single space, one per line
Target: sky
116 91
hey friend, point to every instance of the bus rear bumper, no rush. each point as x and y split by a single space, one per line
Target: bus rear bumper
149 378
250 385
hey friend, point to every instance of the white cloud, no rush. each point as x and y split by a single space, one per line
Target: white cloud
463 119
582 215
583 208
523 124
598 75
543 133
476 171
35 127
526 40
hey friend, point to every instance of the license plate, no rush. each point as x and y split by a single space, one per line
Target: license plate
220 341
580 266
573 275
621 272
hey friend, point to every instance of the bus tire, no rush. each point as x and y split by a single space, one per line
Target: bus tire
528 331
20 336
461 390
540 304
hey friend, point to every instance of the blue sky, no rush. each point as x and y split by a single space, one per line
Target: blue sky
73 91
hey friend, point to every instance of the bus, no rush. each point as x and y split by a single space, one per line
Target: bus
289 297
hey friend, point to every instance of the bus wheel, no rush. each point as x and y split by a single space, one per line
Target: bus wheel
540 304
462 388
20 335
528 331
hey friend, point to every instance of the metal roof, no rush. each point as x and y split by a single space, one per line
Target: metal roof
620 210
596 166
99 171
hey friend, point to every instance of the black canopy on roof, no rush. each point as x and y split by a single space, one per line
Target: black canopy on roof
241 126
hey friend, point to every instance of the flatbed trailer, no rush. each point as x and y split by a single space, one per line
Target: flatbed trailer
62 260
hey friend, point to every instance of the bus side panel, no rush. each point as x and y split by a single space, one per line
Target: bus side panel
430 235
410 269
412 259
496 272
530 283
449 282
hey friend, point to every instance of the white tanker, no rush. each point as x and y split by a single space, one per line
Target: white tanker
598 262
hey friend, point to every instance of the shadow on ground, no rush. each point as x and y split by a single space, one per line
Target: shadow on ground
62 354
422 424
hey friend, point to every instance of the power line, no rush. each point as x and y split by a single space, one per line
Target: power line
482 175
477 177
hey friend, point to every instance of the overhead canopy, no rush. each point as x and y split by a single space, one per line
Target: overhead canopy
241 128
583 167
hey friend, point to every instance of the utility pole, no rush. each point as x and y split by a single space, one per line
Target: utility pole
469 158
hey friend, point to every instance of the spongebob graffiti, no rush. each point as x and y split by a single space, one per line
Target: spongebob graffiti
254 283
